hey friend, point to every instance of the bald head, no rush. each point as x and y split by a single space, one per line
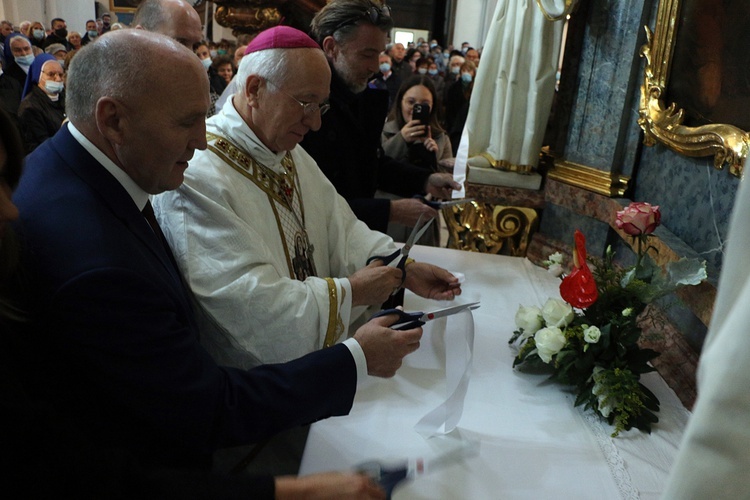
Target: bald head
124 64
176 19
141 99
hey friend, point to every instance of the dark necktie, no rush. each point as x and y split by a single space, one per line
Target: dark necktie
148 213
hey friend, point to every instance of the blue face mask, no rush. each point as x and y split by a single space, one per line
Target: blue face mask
92 33
53 87
433 72
206 63
222 52
38 34
25 60
466 77
422 71
456 70
385 68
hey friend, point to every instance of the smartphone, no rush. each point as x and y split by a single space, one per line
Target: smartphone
421 112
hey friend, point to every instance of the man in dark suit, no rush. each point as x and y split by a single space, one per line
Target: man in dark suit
111 337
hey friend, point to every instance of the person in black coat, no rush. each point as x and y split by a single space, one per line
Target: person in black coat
18 56
457 98
347 147
42 110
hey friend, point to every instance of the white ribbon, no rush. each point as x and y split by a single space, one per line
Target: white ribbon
447 342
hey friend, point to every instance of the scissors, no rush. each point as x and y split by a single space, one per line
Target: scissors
390 473
416 233
437 205
407 320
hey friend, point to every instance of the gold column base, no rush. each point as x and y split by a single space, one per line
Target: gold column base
490 228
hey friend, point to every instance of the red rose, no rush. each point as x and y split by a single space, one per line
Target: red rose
638 218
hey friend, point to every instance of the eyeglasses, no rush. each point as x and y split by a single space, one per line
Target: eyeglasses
308 108
374 13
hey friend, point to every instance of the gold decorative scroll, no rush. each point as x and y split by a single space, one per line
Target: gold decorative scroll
728 144
488 228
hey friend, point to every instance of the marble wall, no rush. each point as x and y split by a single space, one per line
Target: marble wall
603 132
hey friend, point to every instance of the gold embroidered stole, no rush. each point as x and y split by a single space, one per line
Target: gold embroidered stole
285 197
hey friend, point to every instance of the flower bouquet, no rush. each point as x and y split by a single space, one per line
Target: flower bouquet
590 338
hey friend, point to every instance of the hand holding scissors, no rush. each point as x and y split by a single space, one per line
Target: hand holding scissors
408 320
392 259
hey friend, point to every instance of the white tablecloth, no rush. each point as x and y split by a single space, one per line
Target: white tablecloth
533 444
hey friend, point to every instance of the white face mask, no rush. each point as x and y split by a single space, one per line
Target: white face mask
53 87
422 71
206 63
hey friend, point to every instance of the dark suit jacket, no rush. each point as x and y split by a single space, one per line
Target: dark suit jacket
348 150
113 340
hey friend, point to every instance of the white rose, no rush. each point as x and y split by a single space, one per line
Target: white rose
549 341
529 319
592 334
558 313
555 269
555 258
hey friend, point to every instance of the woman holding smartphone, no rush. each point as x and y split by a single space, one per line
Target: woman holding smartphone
412 132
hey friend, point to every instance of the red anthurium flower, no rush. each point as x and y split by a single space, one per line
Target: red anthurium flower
579 287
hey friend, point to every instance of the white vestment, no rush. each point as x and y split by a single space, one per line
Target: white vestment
714 457
233 237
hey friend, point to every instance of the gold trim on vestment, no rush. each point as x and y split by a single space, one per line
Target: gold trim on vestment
335 325
270 182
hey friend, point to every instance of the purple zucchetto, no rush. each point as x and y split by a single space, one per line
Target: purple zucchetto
281 37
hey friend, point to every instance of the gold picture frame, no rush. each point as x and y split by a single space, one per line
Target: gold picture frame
727 143
125 6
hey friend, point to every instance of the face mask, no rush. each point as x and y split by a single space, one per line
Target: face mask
62 32
92 33
385 68
433 45
433 72
53 87
25 60
466 77
222 52
38 34
62 62
446 54
206 63
422 71
456 70
213 53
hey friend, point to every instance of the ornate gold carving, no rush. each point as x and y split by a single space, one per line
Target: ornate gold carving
728 144
592 179
488 228
247 19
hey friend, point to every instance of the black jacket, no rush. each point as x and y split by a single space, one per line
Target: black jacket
347 149
40 117
10 96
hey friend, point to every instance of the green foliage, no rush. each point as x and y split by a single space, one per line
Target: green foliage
606 373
